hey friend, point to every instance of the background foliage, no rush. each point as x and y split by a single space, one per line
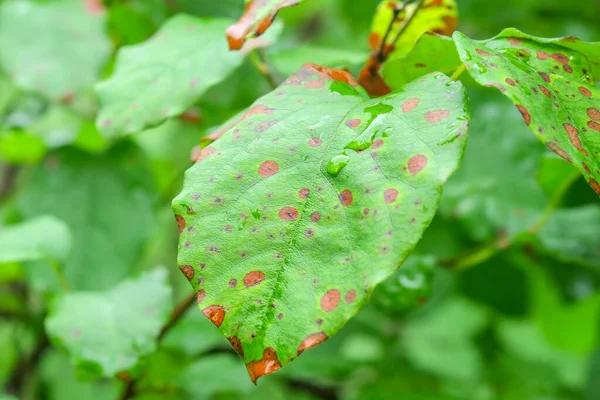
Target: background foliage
487 308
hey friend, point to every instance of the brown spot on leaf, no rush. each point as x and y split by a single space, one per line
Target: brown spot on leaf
319 83
594 114
187 271
268 168
288 214
353 123
390 195
525 113
436 116
377 144
544 76
268 364
542 55
312 341
315 217
350 296
585 91
545 90
236 343
574 137
304 193
561 58
346 198
410 104
216 314
232 283
315 142
417 163
253 278
510 82
180 222
586 168
201 295
558 150
330 300
568 69
594 184
204 153
482 53
594 125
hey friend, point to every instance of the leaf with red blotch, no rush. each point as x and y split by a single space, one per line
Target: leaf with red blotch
257 18
310 199
436 16
551 83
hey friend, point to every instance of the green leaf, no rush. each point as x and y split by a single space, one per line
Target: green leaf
573 235
552 87
214 375
436 343
554 173
106 200
257 18
107 333
21 147
312 198
42 238
57 48
430 53
593 386
163 76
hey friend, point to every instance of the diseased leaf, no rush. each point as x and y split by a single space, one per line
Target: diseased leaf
313 197
436 16
107 203
163 76
42 238
288 61
57 48
551 86
107 333
431 53
257 18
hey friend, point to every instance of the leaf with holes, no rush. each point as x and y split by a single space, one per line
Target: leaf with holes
552 87
165 75
57 48
313 197
257 18
106 333
437 16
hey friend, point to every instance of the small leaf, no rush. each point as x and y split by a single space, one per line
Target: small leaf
107 333
284 243
163 76
57 48
436 16
551 86
431 53
257 18
41 238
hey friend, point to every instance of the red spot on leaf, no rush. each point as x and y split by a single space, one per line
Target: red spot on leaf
353 123
417 163
236 343
288 214
390 195
312 341
410 104
350 296
315 217
187 271
561 58
253 278
268 168
232 283
436 116
544 76
377 144
315 142
315 84
525 113
594 184
510 82
346 198
330 300
304 193
204 153
586 168
482 53
216 314
594 114
585 91
558 150
574 138
268 364
594 125
542 55
545 90
201 295
180 222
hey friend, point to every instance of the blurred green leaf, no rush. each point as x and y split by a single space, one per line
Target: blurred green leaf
593 385
165 75
41 238
215 375
106 200
21 147
289 60
107 333
436 343
553 173
57 48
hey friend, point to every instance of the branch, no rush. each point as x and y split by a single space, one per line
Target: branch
8 178
381 51
408 21
258 57
23 368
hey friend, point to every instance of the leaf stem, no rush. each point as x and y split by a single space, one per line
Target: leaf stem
459 71
408 21
179 311
60 276
258 57
380 54
480 255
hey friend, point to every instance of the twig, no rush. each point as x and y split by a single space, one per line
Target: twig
409 19
178 312
459 71
14 384
258 57
487 251
7 180
381 53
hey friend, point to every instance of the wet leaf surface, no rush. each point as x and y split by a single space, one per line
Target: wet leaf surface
282 217
145 90
257 18
552 87
106 333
